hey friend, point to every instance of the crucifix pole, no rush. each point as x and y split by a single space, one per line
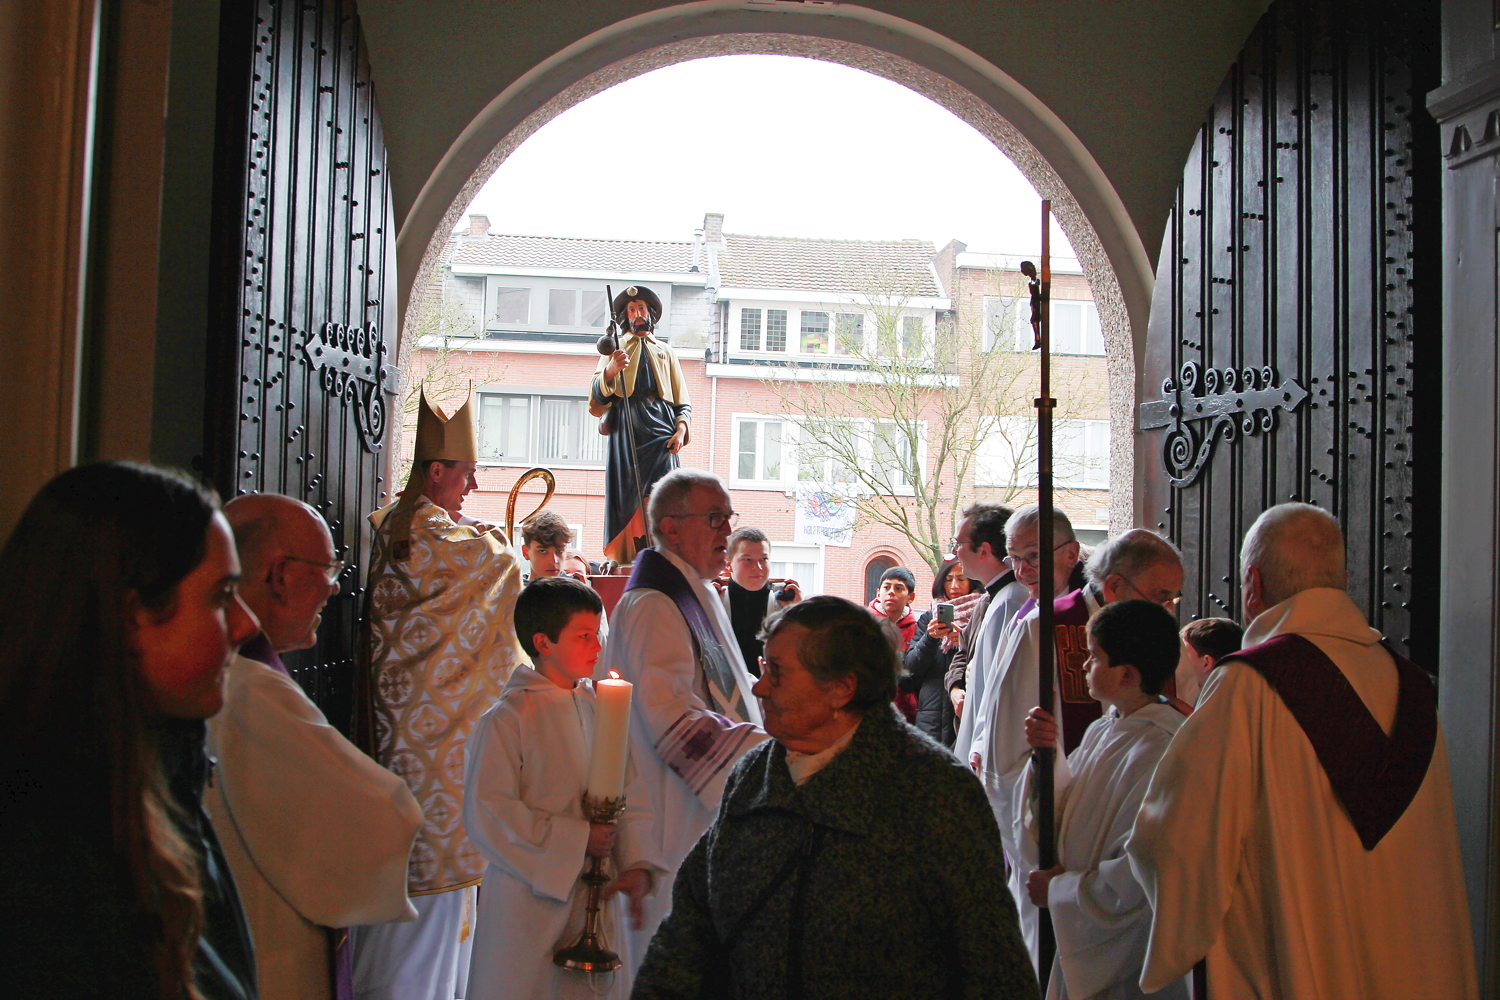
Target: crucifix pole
1044 759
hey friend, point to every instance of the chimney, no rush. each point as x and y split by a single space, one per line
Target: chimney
479 225
713 227
945 263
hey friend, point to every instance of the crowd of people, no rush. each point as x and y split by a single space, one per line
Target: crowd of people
823 798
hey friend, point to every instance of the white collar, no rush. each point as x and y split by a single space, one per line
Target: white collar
1322 611
682 564
804 765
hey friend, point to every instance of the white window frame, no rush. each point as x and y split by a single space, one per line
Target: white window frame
1092 330
534 430
791 464
492 288
833 309
1088 471
539 304
814 586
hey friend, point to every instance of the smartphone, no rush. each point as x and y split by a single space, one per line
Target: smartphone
945 614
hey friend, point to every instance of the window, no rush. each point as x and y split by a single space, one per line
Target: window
848 333
548 430
1075 325
575 307
814 332
562 307
795 561
903 337
1075 328
504 427
1007 321
566 434
512 305
1080 454
817 463
760 451
782 452
595 308
776 329
911 336
750 329
891 454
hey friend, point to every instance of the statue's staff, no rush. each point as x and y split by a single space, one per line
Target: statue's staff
1044 758
607 346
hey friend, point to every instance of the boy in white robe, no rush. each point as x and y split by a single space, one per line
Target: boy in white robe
1100 914
527 767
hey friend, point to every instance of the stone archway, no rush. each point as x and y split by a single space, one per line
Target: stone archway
1089 211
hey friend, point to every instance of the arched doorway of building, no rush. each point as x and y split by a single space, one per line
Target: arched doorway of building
1115 264
874 570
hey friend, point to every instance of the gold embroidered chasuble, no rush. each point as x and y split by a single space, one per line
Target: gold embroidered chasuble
442 645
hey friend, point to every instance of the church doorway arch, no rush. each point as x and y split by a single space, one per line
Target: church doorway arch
1088 209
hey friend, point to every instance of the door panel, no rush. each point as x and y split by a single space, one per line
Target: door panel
302 349
1295 320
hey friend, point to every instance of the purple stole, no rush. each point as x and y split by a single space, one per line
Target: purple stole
1070 624
698 745
1374 776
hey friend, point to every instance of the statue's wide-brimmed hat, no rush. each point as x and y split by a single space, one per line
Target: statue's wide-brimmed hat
449 439
646 295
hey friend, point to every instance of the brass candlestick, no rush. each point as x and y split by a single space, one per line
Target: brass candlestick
589 953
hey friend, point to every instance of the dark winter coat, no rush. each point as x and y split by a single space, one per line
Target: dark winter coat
882 876
926 663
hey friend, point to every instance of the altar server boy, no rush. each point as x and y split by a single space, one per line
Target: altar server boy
527 768
1099 912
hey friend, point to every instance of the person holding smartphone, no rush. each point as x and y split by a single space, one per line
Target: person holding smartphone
932 647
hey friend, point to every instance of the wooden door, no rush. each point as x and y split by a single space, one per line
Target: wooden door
1293 351
303 330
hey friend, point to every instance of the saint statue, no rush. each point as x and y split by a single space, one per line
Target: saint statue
646 414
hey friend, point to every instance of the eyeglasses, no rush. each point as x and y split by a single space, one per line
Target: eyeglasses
1034 560
332 570
1169 603
716 520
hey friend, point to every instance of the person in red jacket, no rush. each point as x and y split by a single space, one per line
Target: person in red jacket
893 601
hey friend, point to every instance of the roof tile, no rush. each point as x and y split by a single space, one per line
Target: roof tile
857 266
572 254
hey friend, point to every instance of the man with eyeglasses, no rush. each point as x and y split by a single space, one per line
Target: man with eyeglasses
693 715
1138 564
316 833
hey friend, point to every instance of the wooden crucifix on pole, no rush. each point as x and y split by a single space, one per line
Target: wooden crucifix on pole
1043 759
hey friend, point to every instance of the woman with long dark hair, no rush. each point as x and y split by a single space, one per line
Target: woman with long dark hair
120 614
927 656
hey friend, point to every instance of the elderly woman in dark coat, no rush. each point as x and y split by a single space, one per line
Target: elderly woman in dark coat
851 857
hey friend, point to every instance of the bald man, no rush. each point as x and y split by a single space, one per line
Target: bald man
1299 830
316 833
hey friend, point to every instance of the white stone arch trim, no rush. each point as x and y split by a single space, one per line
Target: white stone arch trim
1053 159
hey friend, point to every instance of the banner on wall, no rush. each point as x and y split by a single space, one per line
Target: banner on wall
823 519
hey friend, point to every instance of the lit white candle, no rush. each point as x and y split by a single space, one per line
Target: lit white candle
611 738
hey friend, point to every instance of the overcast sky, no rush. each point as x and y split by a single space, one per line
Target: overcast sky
782 146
